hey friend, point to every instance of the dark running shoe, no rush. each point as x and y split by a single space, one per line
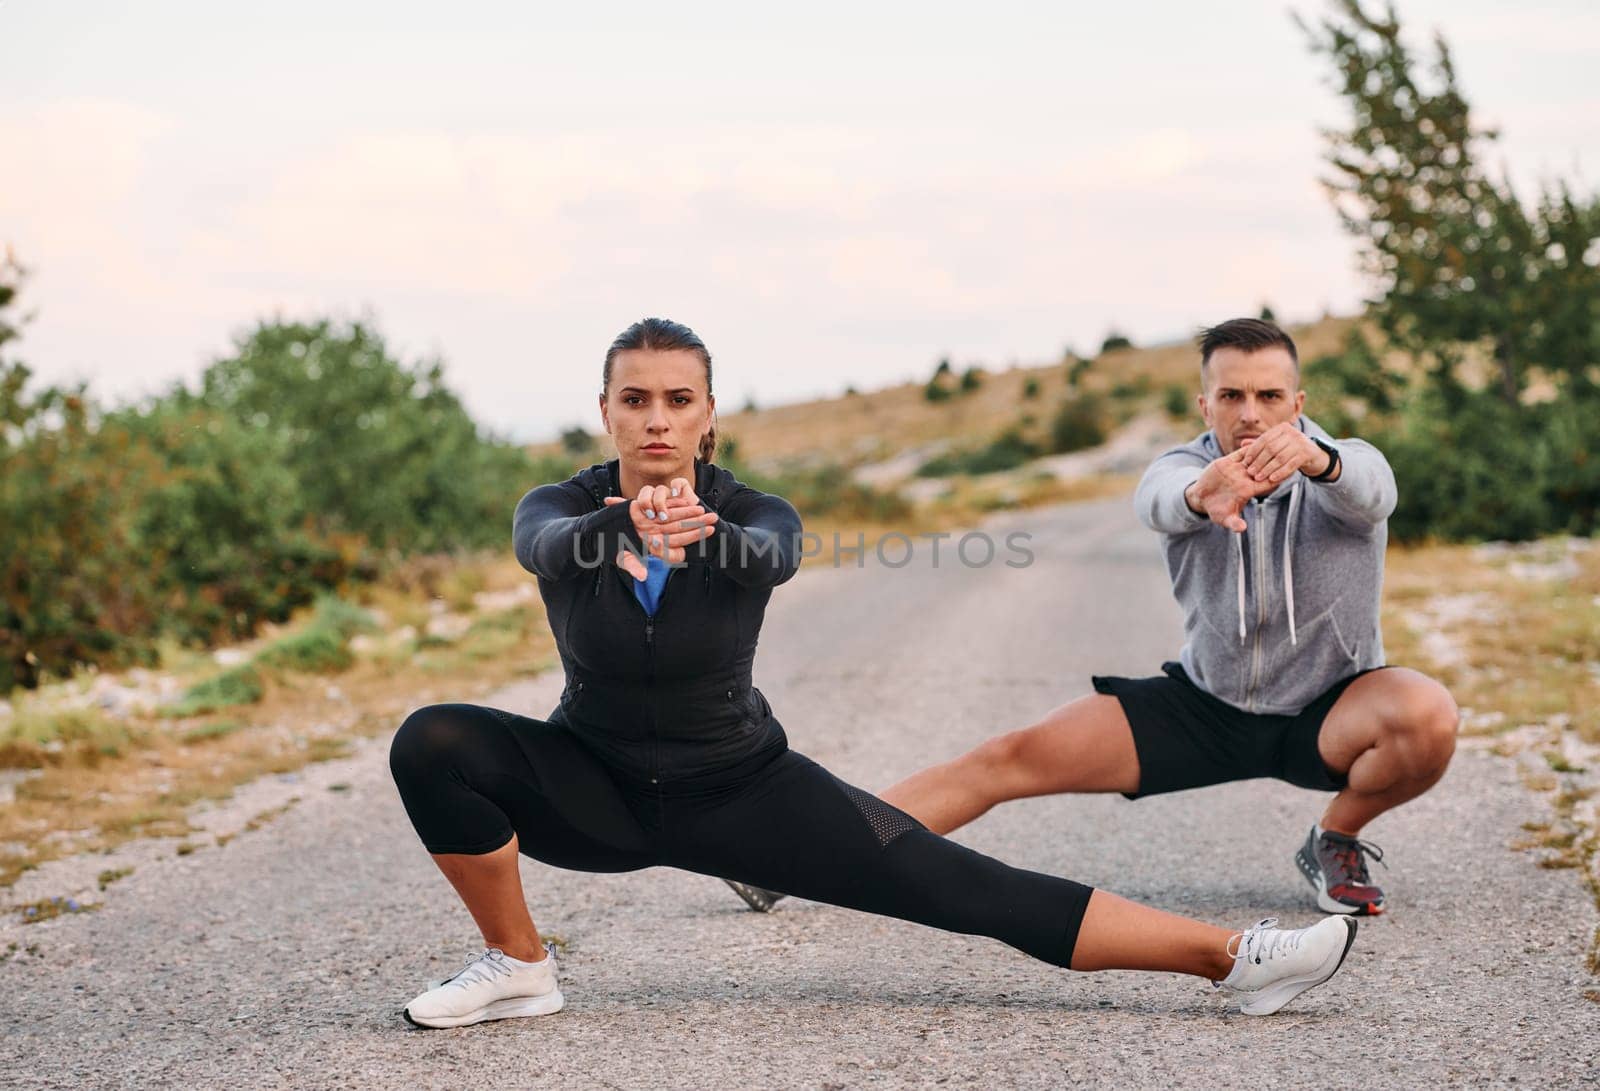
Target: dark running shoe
1336 867
756 898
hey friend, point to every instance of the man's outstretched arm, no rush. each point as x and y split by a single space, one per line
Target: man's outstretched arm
1180 492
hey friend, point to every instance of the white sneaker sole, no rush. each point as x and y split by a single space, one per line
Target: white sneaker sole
510 1008
1333 905
1275 996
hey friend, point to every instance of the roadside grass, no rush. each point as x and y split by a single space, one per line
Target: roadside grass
35 737
47 908
111 875
320 646
102 779
1514 633
241 685
1526 649
323 646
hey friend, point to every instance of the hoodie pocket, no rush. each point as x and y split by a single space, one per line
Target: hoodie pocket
1354 654
1321 659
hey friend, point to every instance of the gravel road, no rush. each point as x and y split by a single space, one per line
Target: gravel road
282 959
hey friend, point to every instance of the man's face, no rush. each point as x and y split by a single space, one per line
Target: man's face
1245 393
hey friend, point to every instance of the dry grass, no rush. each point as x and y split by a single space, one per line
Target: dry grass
104 780
1515 635
1528 649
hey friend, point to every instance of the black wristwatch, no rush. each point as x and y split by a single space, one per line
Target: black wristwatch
1333 460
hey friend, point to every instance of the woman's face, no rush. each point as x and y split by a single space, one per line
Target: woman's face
657 409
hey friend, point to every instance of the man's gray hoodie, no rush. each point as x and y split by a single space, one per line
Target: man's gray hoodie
1276 615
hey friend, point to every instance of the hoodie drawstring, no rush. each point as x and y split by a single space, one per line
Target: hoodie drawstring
1295 494
1238 553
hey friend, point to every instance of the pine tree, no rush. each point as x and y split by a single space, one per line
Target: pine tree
1454 253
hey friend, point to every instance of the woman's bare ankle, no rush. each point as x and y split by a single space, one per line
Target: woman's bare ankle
521 950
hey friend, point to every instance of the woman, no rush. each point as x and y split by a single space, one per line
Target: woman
655 571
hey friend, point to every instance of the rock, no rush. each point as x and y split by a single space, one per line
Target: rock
449 626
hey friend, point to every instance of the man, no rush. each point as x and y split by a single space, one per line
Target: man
1274 537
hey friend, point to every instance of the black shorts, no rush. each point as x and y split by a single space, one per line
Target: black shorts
1186 738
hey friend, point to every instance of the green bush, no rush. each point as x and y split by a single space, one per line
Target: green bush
219 522
1007 451
936 391
306 460
376 448
971 379
1471 467
1030 389
239 685
1115 342
1127 389
323 646
577 441
1079 423
1178 401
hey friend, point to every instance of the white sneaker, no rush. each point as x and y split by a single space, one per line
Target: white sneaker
490 986
1272 966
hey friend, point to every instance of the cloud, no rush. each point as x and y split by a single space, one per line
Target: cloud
497 245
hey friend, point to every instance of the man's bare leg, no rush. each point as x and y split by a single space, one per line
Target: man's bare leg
1084 746
1391 733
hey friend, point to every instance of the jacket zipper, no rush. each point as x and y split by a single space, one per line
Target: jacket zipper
650 685
1261 608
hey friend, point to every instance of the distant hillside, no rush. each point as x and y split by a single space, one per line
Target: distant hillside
872 426
877 424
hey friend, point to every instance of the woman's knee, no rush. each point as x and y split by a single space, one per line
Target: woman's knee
429 740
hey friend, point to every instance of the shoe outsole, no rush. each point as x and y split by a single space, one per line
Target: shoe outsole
1327 902
1274 998
510 1008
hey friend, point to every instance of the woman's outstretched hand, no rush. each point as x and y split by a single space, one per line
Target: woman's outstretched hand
667 518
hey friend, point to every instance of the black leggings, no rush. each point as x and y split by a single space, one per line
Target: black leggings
470 777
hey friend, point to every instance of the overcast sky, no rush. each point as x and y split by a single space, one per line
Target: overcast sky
831 194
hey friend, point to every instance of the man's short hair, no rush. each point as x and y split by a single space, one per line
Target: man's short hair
1249 334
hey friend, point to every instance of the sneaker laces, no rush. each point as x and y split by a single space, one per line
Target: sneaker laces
1351 853
479 968
1264 939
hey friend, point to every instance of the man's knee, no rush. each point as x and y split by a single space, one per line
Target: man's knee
1424 722
1003 760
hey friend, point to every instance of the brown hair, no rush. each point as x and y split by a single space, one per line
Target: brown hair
663 335
1249 334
